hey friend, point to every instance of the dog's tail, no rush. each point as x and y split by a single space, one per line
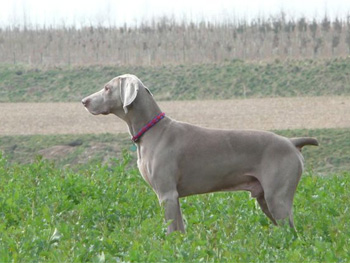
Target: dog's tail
302 141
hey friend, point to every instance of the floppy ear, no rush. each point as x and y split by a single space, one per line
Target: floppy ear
128 92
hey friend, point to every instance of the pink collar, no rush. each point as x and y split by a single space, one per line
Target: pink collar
148 126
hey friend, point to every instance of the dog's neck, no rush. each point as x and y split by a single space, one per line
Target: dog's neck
140 113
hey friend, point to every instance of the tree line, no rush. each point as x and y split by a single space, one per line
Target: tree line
166 41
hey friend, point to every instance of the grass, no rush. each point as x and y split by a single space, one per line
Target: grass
108 213
75 151
333 154
232 79
73 209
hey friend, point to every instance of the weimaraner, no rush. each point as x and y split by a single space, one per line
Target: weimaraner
178 159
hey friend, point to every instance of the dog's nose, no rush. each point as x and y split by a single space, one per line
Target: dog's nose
85 102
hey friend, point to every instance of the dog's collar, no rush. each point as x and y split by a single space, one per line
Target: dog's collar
148 126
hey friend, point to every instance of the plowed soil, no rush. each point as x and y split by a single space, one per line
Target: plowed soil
265 114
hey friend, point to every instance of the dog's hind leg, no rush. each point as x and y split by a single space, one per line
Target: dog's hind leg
280 186
257 191
262 202
291 221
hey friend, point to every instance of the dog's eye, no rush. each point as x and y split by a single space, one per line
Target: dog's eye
107 88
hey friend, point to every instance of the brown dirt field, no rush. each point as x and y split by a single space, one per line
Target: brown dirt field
265 114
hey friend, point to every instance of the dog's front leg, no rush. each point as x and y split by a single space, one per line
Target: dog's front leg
171 204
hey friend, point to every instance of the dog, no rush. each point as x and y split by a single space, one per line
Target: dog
178 159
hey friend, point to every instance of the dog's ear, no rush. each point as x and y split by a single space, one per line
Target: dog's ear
148 91
128 91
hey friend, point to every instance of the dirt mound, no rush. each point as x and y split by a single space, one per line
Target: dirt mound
56 152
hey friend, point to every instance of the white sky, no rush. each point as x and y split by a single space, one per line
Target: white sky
118 12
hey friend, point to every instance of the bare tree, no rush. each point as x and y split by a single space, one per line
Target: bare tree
165 41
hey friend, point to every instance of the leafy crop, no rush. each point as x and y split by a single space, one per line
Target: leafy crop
108 213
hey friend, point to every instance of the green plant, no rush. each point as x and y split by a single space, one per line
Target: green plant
108 213
226 80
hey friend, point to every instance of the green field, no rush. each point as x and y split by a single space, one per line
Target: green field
108 213
73 210
232 79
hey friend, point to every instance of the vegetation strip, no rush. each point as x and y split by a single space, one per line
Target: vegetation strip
108 213
226 80
169 41
77 151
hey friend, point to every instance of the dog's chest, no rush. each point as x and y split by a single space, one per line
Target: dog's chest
144 164
143 168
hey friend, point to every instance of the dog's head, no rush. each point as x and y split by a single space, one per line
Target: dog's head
115 97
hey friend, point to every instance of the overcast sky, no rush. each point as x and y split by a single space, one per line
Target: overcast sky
118 12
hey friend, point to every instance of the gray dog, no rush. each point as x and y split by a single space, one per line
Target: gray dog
178 159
